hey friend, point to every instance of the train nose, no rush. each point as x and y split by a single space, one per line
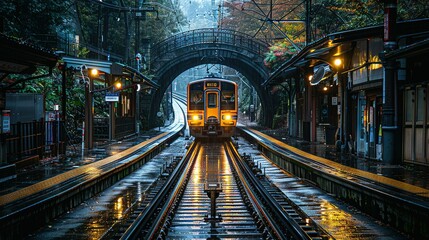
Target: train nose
212 120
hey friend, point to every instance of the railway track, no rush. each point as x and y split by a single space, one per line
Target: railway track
29 208
192 216
214 193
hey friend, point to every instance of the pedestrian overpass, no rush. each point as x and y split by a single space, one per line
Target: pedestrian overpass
178 53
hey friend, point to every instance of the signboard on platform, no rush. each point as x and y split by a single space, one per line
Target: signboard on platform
5 121
112 97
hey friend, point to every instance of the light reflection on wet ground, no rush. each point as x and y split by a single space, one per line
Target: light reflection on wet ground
409 173
338 218
94 217
212 166
52 166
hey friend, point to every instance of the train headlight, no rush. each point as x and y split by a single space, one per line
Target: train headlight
197 117
226 117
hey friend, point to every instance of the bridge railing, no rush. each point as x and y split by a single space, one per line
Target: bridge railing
208 36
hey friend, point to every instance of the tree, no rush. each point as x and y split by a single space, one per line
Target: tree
265 19
100 25
330 16
32 17
278 22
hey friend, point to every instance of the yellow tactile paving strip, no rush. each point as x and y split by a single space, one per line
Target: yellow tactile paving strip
90 169
349 170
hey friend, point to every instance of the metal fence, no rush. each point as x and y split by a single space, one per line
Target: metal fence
34 140
193 38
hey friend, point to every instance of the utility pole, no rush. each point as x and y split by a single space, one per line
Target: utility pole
307 22
139 15
391 148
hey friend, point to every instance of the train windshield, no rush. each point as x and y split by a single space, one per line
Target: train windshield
196 100
228 97
211 102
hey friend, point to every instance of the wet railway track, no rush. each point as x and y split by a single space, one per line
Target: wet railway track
178 203
219 194
29 208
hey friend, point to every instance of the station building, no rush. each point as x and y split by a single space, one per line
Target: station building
338 88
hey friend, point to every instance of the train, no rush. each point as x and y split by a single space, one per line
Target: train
212 107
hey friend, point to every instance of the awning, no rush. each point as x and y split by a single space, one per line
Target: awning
116 69
20 57
411 50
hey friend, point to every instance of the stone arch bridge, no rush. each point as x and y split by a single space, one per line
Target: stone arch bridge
185 50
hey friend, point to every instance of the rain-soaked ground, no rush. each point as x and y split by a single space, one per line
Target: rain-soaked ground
93 218
50 167
409 173
338 218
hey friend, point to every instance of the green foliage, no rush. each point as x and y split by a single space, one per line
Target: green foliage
253 18
327 16
82 52
48 86
330 16
278 121
28 18
278 53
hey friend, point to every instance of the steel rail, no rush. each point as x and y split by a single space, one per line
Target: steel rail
343 172
275 219
61 189
397 197
280 217
172 202
166 195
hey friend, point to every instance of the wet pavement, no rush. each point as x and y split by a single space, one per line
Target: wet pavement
93 218
409 173
341 220
74 158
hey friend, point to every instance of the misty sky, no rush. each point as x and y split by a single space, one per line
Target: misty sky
200 13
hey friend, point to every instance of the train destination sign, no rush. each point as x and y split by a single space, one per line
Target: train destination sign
212 84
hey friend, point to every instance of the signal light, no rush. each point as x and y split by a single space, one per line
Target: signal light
138 56
61 66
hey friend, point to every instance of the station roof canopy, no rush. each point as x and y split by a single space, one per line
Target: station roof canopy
340 44
112 68
21 57
411 50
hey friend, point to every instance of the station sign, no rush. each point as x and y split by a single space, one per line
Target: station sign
112 97
5 121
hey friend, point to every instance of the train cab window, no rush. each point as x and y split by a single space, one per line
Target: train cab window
196 100
228 100
228 97
211 100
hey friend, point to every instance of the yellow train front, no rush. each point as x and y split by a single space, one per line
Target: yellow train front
212 108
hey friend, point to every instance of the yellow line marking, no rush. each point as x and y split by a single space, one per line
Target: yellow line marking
90 169
346 169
